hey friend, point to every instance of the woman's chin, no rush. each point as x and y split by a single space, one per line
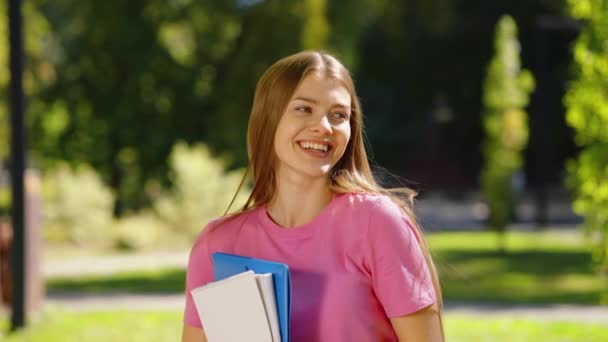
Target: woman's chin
316 173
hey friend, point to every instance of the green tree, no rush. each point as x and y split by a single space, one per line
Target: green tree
349 20
316 28
133 77
587 112
506 93
4 79
38 72
271 30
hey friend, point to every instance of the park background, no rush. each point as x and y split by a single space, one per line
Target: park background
136 126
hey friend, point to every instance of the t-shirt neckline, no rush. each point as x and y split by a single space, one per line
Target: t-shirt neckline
298 231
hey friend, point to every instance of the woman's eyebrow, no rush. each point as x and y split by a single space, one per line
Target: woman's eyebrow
341 106
306 99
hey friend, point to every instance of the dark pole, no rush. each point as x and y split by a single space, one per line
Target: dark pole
547 28
541 148
17 163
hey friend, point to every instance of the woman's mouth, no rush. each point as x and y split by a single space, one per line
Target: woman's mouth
318 149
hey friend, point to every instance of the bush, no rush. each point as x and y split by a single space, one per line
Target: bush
143 230
77 207
202 189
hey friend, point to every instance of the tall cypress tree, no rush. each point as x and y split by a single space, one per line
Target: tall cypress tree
506 93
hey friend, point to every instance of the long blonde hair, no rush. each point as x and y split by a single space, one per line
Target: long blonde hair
351 174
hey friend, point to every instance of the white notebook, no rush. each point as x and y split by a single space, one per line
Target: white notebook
266 287
239 308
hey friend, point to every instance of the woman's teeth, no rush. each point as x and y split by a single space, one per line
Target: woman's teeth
313 146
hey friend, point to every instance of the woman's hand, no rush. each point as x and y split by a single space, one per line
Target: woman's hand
192 334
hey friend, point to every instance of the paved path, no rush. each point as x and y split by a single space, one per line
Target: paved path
115 301
108 265
437 211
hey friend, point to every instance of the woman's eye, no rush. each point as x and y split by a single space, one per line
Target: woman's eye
339 115
304 109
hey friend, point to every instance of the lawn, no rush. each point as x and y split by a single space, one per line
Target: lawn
119 326
156 281
65 326
537 268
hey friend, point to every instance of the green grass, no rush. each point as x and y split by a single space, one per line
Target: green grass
157 281
119 326
538 268
461 328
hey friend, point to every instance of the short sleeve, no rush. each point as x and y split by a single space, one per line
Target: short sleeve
400 275
199 272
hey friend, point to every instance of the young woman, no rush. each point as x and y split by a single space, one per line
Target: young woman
360 268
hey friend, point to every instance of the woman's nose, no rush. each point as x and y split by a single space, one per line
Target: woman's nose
322 125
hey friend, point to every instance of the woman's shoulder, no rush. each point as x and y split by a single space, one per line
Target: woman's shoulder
223 227
377 210
372 203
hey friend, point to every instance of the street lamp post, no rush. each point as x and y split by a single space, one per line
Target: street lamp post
17 102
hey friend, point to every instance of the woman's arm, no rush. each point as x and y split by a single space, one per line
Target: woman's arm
421 326
192 334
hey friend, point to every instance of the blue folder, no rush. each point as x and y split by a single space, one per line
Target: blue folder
226 265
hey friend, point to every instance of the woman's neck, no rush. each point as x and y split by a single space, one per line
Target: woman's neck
298 203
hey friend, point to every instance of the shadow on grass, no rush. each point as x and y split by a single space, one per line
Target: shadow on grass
536 262
165 281
530 276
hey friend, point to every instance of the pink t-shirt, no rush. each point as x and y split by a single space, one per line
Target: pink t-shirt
354 266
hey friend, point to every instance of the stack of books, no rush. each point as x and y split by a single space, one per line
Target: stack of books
249 300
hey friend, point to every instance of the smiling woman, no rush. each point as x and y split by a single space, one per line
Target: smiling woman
360 267
314 131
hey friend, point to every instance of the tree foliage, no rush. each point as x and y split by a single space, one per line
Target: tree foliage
587 112
506 93
4 79
132 73
38 73
316 27
131 78
114 84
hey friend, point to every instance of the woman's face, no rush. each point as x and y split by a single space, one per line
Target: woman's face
315 128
